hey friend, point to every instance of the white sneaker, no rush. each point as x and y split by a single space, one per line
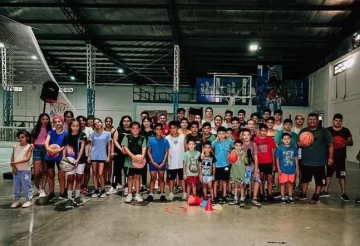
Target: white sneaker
27 204
15 204
138 198
42 193
35 191
128 198
119 187
111 191
126 191
184 197
171 196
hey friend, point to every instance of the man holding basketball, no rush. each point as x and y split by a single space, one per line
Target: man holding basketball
341 138
315 156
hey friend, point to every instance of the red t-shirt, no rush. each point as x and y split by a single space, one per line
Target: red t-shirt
235 135
265 147
165 130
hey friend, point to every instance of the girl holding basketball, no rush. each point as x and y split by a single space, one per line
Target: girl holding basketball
75 149
38 137
54 143
99 154
108 165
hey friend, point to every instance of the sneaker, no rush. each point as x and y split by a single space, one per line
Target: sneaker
270 198
95 194
216 200
301 197
291 199
256 203
345 198
63 196
102 194
111 191
177 190
126 191
184 197
128 198
234 202
15 204
138 198
69 204
143 189
85 191
230 195
357 200
42 193
50 197
277 195
79 201
27 204
223 200
283 199
315 199
35 191
150 198
163 198
242 203
324 194
119 187
171 196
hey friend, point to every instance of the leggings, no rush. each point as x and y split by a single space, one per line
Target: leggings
144 171
119 162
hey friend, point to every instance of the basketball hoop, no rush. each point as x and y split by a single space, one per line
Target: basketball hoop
56 108
231 101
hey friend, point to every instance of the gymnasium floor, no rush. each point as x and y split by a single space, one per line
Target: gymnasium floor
111 222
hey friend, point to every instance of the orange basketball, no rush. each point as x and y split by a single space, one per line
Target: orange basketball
338 142
232 158
306 138
54 147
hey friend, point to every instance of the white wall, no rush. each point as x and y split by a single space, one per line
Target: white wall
339 94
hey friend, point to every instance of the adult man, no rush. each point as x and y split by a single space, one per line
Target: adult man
315 157
180 114
228 116
209 116
144 114
241 116
163 121
155 117
341 138
299 123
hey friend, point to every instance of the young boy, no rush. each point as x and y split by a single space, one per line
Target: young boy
287 125
237 173
222 174
229 133
252 153
235 125
278 117
206 133
266 149
195 135
270 124
287 165
158 150
227 121
207 169
176 156
134 144
191 167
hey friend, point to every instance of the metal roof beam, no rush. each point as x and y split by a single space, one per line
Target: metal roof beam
104 37
81 5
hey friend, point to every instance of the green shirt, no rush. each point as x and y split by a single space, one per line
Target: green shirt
211 138
191 162
317 153
294 138
237 171
135 145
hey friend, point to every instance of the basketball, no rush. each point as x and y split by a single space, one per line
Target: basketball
139 164
67 164
232 158
306 138
54 147
338 142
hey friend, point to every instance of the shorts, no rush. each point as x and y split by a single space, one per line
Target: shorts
249 170
339 167
152 168
222 173
172 173
192 180
207 179
266 168
236 181
284 178
78 170
98 161
39 153
319 173
134 171
51 164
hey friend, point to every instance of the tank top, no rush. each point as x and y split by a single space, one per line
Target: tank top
40 140
19 154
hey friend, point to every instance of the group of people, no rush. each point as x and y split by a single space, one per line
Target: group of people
215 157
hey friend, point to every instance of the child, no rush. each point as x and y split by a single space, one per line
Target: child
287 165
206 133
222 174
251 125
278 117
229 134
184 127
195 135
21 169
191 167
270 124
287 126
207 169
237 173
158 150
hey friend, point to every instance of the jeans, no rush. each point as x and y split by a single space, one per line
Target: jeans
22 179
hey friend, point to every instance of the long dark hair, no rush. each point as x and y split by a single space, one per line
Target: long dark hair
69 112
142 123
72 121
121 124
36 131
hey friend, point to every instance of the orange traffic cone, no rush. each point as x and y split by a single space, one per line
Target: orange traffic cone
209 207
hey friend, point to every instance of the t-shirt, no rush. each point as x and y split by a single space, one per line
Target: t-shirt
278 127
88 131
317 153
207 164
99 145
265 147
121 134
165 130
251 150
294 138
158 146
59 139
40 140
211 138
287 157
176 152
226 125
237 171
198 141
135 145
222 149
191 162
73 146
339 151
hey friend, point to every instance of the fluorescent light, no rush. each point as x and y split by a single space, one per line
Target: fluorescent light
344 65
253 47
2 45
72 77
120 70
34 57
16 88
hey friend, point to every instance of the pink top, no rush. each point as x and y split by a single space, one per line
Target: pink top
40 140
19 154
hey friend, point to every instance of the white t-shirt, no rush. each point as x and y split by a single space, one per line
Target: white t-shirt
278 127
212 123
226 125
88 131
176 152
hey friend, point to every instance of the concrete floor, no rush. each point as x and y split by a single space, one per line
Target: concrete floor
110 221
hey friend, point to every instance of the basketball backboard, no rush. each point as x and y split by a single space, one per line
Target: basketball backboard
238 86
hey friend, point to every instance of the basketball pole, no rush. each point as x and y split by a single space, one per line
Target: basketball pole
176 79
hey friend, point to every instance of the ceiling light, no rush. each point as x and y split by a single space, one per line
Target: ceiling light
72 77
34 57
120 70
253 47
2 45
344 65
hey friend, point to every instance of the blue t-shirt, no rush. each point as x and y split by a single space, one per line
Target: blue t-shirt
158 148
99 142
59 139
222 149
286 157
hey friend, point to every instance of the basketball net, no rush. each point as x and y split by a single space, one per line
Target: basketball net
231 102
57 108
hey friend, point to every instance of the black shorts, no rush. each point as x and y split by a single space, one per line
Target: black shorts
339 168
51 164
98 161
134 171
172 173
266 168
318 172
222 173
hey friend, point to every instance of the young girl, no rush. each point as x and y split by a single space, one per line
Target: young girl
90 122
108 165
75 148
184 127
68 116
53 157
99 153
38 137
207 169
21 169
270 124
191 167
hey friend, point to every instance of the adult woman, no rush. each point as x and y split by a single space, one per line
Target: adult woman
108 166
99 154
68 116
38 137
146 131
218 120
